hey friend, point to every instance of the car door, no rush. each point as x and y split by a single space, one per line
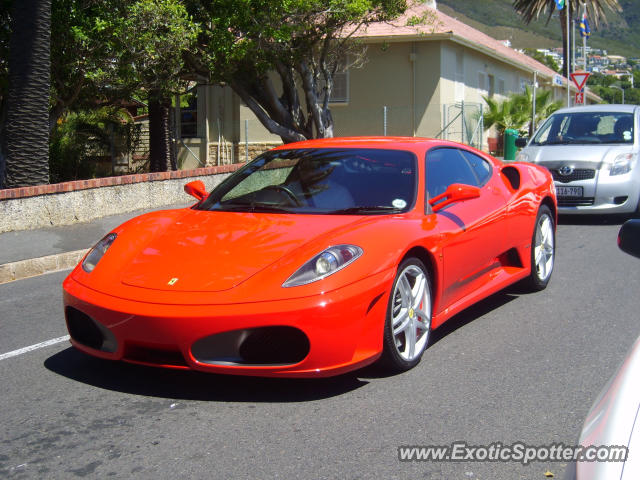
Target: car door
472 230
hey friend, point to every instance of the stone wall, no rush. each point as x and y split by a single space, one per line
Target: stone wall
84 200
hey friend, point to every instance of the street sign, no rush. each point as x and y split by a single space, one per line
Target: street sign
579 98
580 79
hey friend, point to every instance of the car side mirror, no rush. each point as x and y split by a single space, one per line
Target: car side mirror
196 189
456 192
629 237
521 142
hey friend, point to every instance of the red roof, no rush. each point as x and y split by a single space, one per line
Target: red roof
438 23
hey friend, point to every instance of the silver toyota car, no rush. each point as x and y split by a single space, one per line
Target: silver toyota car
592 152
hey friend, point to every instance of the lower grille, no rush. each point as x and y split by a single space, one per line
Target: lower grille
154 356
575 202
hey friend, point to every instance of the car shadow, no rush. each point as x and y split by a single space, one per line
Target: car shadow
468 315
190 385
617 219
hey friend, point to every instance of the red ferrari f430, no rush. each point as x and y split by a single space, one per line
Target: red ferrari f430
315 259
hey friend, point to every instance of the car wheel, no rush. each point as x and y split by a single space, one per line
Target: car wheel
408 322
543 250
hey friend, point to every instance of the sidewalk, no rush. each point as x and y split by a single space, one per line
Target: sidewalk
28 253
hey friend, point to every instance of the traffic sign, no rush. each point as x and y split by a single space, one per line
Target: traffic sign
580 79
579 98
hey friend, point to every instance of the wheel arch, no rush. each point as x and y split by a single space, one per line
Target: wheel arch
548 201
426 257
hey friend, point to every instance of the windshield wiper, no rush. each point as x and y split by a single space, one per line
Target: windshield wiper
249 207
368 209
262 207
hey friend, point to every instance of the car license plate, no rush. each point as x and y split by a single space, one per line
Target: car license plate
569 191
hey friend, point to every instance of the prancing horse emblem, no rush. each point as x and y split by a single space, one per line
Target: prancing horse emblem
172 281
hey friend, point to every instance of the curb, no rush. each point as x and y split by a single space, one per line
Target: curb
10 272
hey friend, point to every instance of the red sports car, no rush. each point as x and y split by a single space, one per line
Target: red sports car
314 259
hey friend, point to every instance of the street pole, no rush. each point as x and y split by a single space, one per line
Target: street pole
568 49
533 106
573 45
584 41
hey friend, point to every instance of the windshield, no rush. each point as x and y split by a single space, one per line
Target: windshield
581 128
321 181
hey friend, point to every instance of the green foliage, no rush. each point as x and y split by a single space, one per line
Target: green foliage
516 110
608 87
304 42
102 52
152 39
547 60
84 142
620 34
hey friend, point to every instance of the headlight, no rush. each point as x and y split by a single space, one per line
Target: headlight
96 253
622 164
522 157
324 264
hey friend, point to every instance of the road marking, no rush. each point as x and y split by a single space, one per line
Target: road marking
30 348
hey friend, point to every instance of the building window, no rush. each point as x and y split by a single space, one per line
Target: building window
340 92
483 83
492 86
189 114
523 84
500 89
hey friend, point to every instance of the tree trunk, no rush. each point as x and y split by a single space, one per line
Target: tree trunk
27 123
159 133
566 53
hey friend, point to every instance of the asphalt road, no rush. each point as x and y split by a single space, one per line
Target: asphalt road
518 367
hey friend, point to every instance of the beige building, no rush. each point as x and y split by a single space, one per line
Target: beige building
426 75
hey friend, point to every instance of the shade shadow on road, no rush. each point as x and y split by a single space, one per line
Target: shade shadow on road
189 385
617 219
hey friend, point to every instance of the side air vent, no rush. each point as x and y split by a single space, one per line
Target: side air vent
512 175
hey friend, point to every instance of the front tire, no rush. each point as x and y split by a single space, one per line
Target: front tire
408 323
543 250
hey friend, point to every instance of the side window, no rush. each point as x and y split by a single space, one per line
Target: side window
480 166
446 166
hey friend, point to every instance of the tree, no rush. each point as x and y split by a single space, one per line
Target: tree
84 51
533 9
547 60
5 35
154 36
280 56
516 110
24 129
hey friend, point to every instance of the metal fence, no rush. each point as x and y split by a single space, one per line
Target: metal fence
463 122
460 122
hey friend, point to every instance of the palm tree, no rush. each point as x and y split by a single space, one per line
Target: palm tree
511 112
533 9
26 132
515 111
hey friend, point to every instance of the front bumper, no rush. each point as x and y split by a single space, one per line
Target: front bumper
323 335
603 194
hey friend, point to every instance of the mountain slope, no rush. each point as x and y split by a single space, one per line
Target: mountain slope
620 35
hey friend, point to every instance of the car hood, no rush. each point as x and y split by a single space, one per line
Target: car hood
591 156
216 251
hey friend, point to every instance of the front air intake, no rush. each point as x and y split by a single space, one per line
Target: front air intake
86 331
253 346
